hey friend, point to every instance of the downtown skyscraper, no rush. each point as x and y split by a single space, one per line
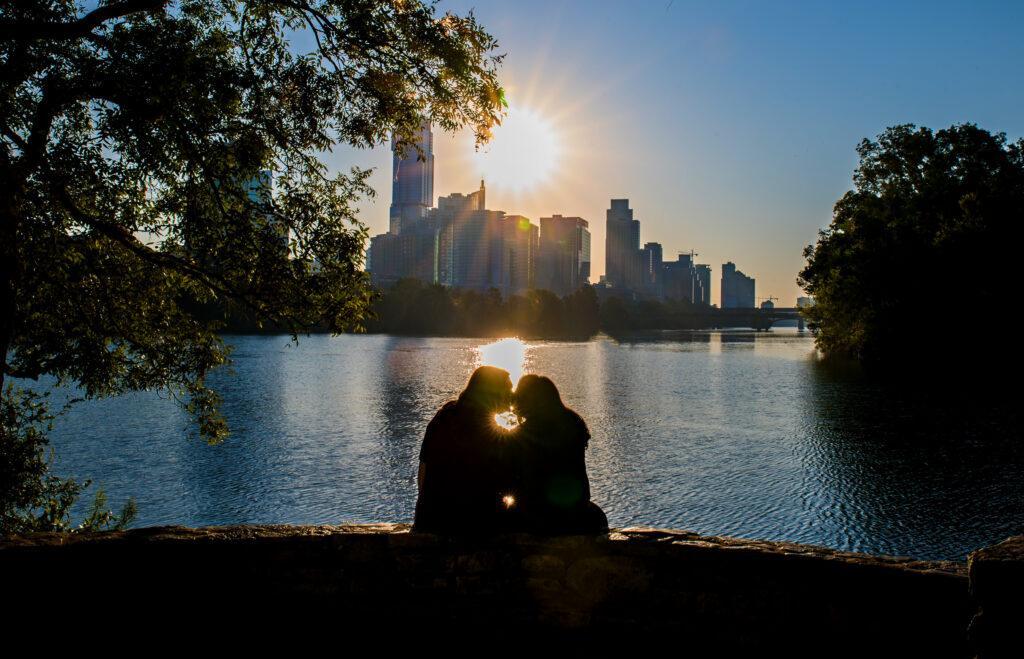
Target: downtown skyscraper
412 183
564 263
622 260
737 288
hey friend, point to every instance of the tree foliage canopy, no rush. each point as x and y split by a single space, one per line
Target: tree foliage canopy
925 240
132 135
136 141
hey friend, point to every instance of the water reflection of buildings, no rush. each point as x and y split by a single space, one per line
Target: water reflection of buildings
666 336
404 402
737 337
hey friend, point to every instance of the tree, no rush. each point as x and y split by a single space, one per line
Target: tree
616 315
582 311
131 137
926 240
547 317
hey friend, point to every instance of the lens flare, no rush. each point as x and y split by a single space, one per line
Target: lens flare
506 420
508 500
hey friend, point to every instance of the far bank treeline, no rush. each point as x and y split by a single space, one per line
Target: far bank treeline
414 308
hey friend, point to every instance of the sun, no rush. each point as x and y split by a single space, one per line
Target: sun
523 152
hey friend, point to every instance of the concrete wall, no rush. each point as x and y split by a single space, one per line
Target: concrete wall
670 587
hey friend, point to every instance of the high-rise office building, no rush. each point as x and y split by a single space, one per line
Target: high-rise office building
519 254
383 260
476 250
443 219
564 263
413 253
418 245
622 260
260 188
702 288
737 288
679 278
412 183
652 266
469 241
260 191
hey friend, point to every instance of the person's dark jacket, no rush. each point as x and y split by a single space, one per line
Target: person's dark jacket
463 478
551 475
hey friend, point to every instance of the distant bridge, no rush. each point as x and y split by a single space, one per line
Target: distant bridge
758 319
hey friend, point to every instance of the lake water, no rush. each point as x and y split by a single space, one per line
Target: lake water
739 434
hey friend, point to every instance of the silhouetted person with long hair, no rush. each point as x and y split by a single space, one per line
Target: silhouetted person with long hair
461 472
550 469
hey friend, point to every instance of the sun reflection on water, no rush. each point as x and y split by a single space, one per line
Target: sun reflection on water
509 354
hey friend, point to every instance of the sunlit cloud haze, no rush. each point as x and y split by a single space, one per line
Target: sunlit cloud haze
731 127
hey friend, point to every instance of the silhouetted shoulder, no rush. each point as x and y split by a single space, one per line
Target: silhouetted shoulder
577 427
438 430
443 415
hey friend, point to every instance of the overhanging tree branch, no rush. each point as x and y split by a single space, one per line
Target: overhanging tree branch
162 259
33 30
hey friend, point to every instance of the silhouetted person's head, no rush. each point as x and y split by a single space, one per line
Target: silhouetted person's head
537 395
489 387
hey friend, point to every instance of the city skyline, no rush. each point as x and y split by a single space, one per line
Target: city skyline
720 149
461 243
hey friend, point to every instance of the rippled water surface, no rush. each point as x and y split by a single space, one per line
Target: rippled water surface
721 433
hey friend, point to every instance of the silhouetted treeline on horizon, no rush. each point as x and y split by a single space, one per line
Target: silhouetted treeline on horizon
411 307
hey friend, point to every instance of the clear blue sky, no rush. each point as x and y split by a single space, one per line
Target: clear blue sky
730 126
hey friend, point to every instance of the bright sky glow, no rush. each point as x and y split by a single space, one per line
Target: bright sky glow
730 126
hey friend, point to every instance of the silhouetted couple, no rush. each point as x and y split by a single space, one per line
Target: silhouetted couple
477 476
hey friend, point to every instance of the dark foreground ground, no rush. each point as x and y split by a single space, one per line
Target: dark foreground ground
695 594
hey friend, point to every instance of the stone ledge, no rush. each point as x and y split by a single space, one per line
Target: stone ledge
635 582
635 536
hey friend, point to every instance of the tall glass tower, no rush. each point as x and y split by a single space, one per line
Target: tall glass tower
412 183
622 261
